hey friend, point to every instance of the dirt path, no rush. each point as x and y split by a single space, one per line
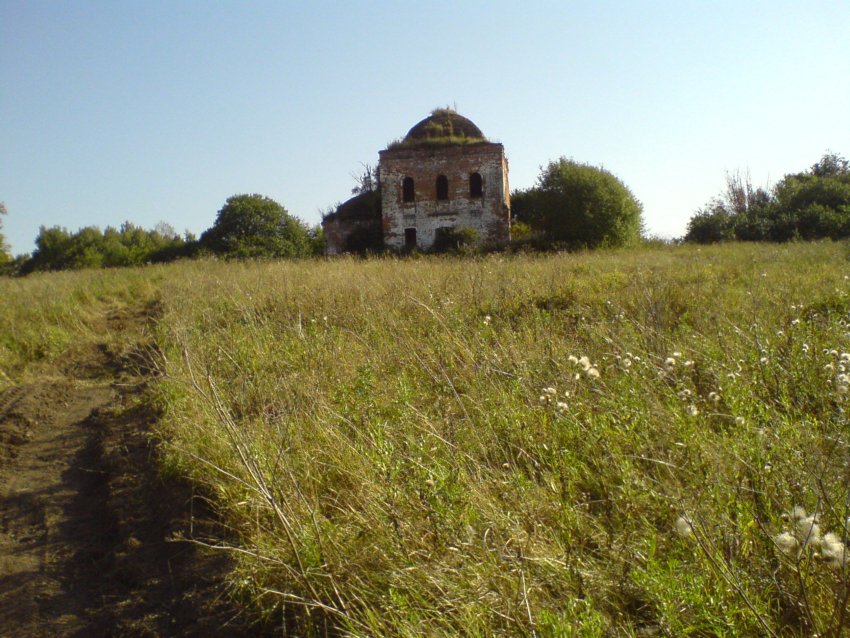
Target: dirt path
87 527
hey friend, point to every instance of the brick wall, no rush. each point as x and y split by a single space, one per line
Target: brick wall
488 214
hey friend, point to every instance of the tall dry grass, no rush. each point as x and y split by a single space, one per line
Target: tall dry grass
44 315
603 443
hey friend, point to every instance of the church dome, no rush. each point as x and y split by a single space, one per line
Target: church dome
444 126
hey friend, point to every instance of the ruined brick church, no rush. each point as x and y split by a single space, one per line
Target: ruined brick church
444 176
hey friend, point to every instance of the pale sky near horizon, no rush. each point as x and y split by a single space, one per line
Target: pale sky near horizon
157 110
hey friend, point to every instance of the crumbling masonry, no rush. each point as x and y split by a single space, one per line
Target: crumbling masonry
442 177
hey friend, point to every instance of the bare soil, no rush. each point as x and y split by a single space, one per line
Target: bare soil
92 538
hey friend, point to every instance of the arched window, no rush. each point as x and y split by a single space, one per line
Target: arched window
442 187
408 194
476 185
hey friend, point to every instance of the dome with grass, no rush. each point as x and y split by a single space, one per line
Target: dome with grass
443 127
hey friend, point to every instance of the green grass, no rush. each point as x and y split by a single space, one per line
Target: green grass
380 437
414 447
442 140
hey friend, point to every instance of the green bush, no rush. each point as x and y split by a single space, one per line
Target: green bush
454 239
250 226
579 205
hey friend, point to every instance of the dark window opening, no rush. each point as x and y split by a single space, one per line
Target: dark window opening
476 185
408 194
442 187
410 238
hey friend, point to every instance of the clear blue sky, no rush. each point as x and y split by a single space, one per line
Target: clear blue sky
149 110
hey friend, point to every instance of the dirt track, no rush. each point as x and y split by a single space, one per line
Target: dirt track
87 527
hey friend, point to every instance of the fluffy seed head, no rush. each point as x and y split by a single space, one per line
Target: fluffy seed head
684 527
787 544
834 553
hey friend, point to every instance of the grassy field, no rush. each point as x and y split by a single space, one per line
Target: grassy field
635 443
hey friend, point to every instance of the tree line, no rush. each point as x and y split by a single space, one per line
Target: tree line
247 226
812 204
572 205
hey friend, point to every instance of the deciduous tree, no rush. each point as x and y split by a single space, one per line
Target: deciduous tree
256 226
813 204
580 205
4 249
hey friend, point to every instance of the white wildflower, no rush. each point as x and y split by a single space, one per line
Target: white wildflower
807 529
795 322
763 360
573 359
739 420
797 513
787 544
670 363
584 362
692 410
592 373
487 320
688 363
714 397
835 554
844 356
684 527
677 355
562 407
805 348
548 395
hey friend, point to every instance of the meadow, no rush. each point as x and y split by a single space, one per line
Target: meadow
631 443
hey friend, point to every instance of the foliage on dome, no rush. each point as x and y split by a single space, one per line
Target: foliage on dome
444 127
